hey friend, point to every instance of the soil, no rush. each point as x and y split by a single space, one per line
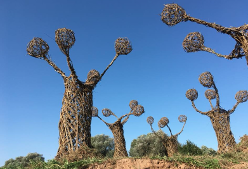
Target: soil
130 163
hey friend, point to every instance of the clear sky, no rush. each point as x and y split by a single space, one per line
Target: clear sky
157 73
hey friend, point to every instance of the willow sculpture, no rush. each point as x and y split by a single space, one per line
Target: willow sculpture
117 127
219 117
170 143
76 111
173 14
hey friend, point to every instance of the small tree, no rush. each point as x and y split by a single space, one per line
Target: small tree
219 117
148 145
104 145
117 127
170 143
173 14
76 111
189 148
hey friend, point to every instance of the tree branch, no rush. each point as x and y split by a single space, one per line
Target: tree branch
56 68
193 104
181 130
234 107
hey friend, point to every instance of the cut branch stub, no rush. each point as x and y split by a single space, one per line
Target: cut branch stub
123 46
210 94
94 112
37 47
193 42
150 120
182 118
132 104
241 96
65 39
138 110
93 76
192 94
172 14
206 79
106 112
163 122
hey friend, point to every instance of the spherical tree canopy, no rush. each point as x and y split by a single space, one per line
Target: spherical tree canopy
150 120
182 118
132 104
192 94
138 110
193 42
172 14
93 76
206 79
123 46
163 122
37 47
106 112
210 94
241 96
94 111
65 39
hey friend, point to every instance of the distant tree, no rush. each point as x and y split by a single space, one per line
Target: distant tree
173 14
104 145
20 162
189 149
148 145
117 127
170 143
208 151
220 118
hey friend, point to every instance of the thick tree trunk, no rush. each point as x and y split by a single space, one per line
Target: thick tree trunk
221 124
75 117
171 145
120 143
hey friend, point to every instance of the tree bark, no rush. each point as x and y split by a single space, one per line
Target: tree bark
221 123
120 143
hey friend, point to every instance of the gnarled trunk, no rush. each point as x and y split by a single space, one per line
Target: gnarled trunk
171 145
221 124
75 117
120 143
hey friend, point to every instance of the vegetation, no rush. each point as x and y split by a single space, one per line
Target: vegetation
189 149
104 145
148 145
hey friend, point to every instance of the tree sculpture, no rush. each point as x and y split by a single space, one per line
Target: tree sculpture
219 117
173 14
76 111
170 143
117 127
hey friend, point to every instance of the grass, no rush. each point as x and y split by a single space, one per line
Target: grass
201 161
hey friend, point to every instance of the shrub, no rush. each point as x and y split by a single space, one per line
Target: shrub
148 145
189 149
103 144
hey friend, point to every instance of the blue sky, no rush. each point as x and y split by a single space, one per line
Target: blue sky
157 73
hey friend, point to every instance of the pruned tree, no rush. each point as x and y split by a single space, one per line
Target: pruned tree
170 143
117 127
76 111
220 118
173 14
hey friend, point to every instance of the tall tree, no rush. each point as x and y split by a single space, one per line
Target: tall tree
76 111
220 118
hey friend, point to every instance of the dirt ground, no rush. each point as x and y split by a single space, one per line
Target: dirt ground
130 163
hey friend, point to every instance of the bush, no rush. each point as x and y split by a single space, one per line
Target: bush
208 151
189 149
148 145
21 162
103 144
